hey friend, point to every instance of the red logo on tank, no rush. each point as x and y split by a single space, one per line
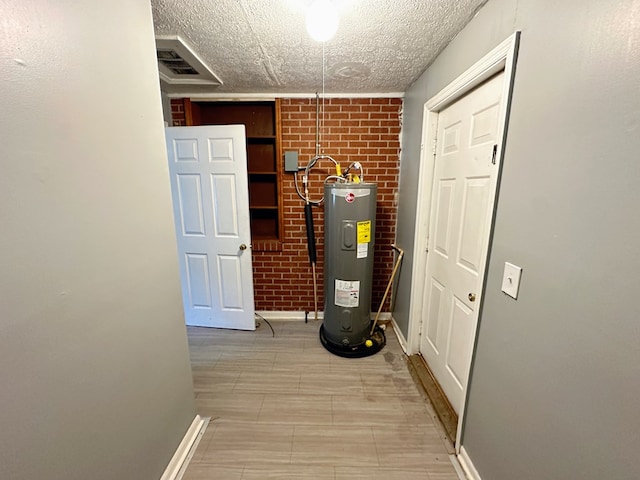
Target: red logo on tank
350 197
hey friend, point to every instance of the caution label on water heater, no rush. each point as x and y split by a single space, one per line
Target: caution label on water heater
347 293
364 231
364 238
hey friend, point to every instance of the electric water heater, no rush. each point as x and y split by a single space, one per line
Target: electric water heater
349 240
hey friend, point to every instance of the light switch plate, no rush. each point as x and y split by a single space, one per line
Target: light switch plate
511 279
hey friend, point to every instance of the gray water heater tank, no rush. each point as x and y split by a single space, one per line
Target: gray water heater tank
349 241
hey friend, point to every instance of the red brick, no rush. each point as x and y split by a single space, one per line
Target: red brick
353 129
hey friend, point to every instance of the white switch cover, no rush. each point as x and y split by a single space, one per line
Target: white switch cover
511 279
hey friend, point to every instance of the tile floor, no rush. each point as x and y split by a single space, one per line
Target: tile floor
284 408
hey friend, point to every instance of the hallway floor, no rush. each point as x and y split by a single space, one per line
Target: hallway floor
284 408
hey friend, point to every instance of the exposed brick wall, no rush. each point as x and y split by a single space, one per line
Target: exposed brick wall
177 113
363 130
354 129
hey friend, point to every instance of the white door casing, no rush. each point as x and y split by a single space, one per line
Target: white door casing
463 191
208 172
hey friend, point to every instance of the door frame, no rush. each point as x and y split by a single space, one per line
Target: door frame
502 57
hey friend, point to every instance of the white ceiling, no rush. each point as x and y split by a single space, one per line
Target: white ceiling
261 46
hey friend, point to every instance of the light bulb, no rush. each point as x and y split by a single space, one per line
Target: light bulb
322 20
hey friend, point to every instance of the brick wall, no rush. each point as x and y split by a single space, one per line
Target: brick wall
177 113
357 129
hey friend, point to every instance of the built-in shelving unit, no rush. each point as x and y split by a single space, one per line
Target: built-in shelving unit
262 124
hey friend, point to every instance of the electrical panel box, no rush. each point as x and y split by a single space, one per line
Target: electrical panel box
291 161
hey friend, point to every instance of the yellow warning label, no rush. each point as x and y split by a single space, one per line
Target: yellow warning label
364 232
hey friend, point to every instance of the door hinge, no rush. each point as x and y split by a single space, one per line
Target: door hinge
434 146
495 153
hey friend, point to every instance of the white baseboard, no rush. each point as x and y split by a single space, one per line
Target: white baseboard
287 315
299 315
401 340
458 468
467 465
184 452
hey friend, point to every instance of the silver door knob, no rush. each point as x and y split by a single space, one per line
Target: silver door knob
243 247
472 297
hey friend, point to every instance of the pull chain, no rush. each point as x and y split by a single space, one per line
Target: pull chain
322 125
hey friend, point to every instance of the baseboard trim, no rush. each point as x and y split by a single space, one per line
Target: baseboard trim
458 468
287 315
184 452
401 340
299 315
467 465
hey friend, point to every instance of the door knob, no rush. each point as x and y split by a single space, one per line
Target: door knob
472 297
243 247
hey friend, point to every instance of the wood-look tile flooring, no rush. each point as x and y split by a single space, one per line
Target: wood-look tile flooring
284 408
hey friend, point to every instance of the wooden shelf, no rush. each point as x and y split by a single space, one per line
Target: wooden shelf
261 157
265 238
260 138
258 117
264 223
262 128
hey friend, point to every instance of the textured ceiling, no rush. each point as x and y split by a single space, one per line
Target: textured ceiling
261 46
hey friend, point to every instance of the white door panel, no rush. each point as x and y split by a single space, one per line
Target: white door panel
225 206
444 205
464 183
198 281
460 326
230 287
436 302
190 204
208 169
472 223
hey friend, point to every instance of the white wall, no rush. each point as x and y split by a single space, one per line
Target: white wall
555 384
95 379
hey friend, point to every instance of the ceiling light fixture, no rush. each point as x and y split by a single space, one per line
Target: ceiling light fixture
322 20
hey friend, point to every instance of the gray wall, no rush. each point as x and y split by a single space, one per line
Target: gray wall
469 46
94 379
555 385
166 108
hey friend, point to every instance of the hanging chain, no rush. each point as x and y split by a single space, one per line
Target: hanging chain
322 124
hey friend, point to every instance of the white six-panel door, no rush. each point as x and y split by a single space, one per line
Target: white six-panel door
464 184
208 170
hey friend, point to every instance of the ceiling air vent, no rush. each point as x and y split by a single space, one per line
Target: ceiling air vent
178 64
174 62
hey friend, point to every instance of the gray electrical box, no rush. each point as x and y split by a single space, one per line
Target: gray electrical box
291 161
349 241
